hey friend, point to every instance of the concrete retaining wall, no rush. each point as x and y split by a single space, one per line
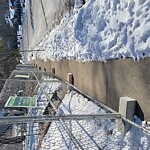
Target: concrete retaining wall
41 17
109 81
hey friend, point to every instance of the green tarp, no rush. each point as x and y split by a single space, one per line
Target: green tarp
15 101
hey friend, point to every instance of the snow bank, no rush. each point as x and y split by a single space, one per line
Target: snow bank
100 30
91 134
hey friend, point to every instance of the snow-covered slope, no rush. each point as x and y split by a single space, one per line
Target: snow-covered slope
100 30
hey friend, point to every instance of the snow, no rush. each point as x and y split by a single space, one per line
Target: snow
8 21
11 9
19 34
78 4
9 18
103 133
33 128
49 88
25 8
19 31
91 134
100 30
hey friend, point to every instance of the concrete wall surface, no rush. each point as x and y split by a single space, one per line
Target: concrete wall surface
41 17
109 81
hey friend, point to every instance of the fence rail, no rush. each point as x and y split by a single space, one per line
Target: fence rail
48 118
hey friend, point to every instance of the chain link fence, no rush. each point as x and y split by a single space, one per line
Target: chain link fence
63 119
98 133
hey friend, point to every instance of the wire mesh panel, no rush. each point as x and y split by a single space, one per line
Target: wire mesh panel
98 133
64 119
101 133
94 134
11 136
25 81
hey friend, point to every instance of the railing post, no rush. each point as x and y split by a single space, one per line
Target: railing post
70 79
53 70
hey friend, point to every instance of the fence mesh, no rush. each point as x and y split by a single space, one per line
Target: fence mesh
98 133
105 132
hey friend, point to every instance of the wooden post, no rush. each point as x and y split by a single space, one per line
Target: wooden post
53 70
70 79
